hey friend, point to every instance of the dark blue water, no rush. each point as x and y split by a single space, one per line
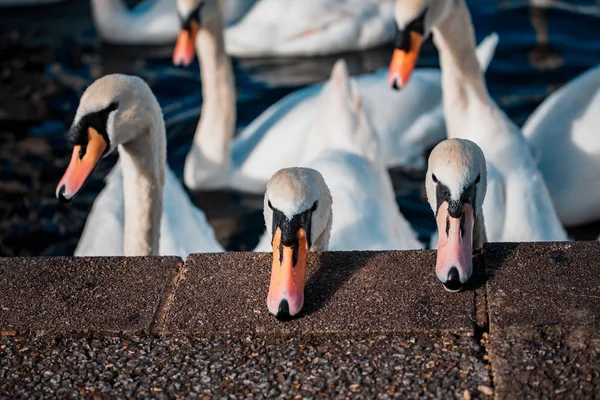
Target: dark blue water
538 51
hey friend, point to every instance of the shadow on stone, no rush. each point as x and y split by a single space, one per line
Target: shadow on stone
492 261
329 278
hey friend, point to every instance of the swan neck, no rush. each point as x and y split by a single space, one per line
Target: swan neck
217 121
462 78
143 163
322 242
479 233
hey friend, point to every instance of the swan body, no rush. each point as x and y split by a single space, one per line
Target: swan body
311 27
143 210
183 227
407 123
234 10
518 206
563 131
150 22
366 216
342 200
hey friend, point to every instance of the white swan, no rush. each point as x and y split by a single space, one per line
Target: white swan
208 161
455 184
563 131
234 10
518 206
151 21
298 216
143 210
341 200
407 124
311 27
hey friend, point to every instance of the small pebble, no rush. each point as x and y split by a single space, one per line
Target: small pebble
485 390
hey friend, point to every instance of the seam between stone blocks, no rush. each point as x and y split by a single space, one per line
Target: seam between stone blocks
482 325
159 320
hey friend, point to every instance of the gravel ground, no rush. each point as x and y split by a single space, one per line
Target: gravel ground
384 366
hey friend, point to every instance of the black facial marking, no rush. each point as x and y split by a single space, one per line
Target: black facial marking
186 22
442 193
403 35
289 231
447 226
455 207
78 134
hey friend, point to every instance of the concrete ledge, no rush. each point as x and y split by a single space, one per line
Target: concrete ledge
78 295
528 284
345 292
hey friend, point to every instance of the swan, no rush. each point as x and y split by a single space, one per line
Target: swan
565 127
143 210
341 200
298 216
311 27
407 124
518 206
455 185
234 10
151 21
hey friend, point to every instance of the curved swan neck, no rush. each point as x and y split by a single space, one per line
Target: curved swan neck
217 121
462 79
143 163
322 242
479 234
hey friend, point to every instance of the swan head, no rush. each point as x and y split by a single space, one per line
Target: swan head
456 183
414 20
193 14
298 215
113 110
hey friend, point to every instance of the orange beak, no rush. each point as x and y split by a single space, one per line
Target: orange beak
81 167
185 49
288 275
454 264
403 62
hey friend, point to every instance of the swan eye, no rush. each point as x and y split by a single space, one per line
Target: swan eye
434 178
314 206
478 178
270 205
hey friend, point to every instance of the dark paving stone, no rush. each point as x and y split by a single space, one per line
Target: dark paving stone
544 309
546 363
531 284
407 366
345 292
72 295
